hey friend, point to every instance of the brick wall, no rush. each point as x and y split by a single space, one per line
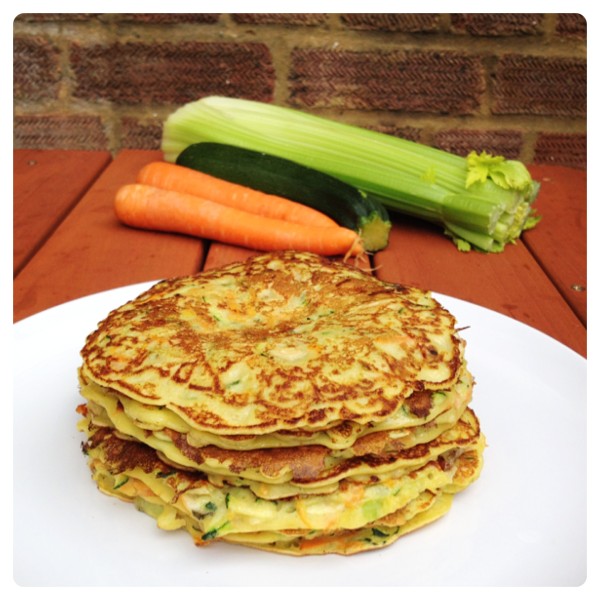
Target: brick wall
513 84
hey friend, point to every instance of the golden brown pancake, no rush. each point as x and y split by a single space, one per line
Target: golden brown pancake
421 408
289 341
305 466
358 515
289 403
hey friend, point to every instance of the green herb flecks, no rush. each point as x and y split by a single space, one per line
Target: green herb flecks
121 483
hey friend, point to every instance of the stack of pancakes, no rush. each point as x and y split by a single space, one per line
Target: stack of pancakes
288 402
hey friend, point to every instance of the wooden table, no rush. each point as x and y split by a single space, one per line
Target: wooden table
68 244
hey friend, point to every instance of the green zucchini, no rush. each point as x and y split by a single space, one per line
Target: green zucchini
345 204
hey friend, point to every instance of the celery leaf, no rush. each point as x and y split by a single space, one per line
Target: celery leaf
507 174
532 221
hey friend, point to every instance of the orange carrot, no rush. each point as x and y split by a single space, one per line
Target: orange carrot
174 177
148 207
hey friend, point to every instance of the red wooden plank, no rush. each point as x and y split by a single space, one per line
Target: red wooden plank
92 251
559 242
219 255
47 184
511 282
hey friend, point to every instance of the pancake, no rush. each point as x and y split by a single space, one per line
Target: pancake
421 511
132 471
289 403
420 408
280 472
303 465
278 342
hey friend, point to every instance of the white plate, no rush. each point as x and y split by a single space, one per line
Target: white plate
522 523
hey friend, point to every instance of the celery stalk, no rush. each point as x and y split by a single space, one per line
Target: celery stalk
481 201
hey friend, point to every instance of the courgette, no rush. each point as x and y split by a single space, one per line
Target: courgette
345 204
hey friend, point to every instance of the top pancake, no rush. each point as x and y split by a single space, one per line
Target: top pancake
281 341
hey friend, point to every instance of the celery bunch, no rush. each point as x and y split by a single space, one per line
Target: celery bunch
481 201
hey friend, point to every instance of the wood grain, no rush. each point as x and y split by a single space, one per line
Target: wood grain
92 251
47 184
220 254
511 283
559 242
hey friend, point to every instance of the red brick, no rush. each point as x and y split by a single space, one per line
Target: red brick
569 150
167 18
419 81
462 141
141 135
65 132
571 25
397 22
287 19
538 85
405 132
53 17
497 24
163 72
36 69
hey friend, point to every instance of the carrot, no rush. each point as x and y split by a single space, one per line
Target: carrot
174 177
148 207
